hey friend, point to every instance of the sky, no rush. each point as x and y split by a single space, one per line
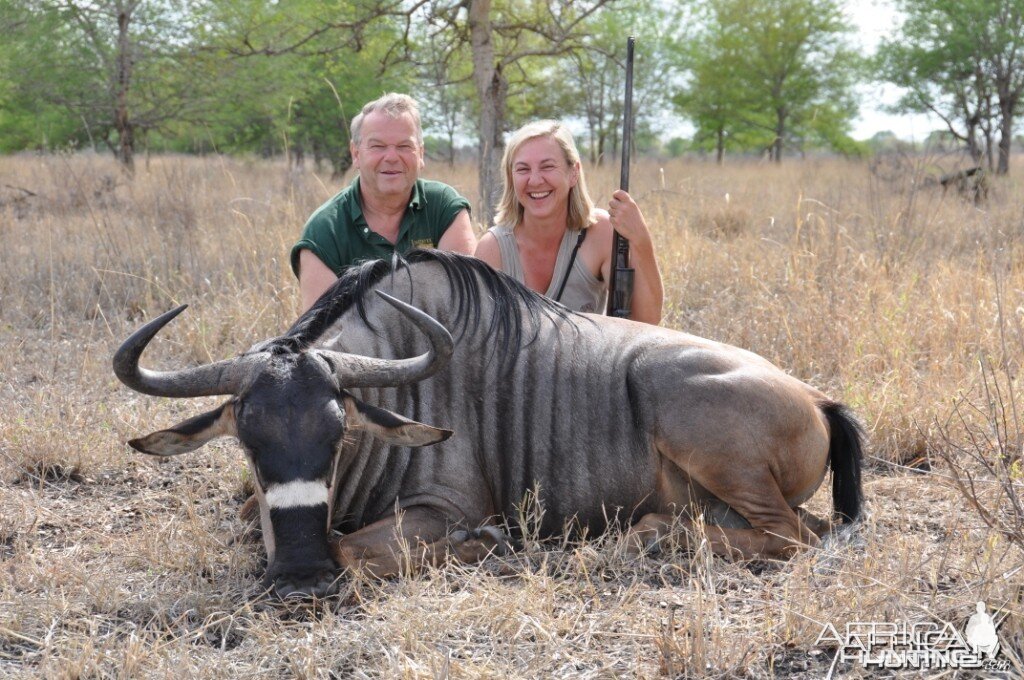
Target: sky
875 20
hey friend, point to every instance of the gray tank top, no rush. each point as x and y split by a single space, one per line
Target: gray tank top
583 292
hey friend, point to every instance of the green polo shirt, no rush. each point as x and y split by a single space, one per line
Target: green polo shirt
338 234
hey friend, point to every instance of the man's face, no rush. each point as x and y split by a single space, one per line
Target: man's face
388 155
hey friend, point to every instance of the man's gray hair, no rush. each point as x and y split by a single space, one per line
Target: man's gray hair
393 104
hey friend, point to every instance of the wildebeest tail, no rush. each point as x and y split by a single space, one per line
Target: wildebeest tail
845 458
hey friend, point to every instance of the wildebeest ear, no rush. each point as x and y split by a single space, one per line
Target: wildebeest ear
390 427
190 434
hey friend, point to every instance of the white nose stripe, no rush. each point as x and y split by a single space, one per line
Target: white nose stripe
297 494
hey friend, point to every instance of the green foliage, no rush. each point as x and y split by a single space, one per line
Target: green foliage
676 147
96 71
285 87
716 98
268 77
769 73
202 77
27 122
27 119
534 49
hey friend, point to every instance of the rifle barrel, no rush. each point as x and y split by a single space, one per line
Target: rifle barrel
620 287
627 117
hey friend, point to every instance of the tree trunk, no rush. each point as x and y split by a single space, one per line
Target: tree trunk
318 156
720 146
122 119
1006 108
989 154
593 140
491 88
780 131
342 163
972 141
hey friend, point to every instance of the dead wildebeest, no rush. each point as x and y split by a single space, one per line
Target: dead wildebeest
606 417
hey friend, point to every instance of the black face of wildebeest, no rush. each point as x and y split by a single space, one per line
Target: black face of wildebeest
291 428
290 412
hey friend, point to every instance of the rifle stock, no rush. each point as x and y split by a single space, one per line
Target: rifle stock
620 287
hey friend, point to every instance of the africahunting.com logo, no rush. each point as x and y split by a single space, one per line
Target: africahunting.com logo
923 646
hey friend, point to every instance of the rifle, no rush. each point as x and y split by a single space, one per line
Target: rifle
620 287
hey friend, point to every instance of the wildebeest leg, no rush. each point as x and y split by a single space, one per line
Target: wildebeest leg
648 533
771 528
777 532
654 529
419 536
383 548
821 527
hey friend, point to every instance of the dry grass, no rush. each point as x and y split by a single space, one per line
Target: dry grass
888 295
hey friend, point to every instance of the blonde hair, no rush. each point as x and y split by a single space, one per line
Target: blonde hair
393 104
581 207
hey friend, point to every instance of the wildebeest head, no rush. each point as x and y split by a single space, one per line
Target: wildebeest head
290 411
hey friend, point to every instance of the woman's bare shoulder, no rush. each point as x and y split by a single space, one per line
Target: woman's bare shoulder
601 230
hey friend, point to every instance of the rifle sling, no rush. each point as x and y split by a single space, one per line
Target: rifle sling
572 259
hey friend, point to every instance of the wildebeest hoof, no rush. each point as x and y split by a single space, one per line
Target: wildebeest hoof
489 538
652 547
642 544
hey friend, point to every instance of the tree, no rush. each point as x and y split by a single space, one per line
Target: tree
291 76
715 98
963 61
120 67
261 73
773 70
945 78
26 120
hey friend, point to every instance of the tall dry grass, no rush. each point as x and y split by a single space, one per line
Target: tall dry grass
889 295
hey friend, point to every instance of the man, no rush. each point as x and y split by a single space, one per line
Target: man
387 208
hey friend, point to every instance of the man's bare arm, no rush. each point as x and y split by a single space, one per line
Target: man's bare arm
459 237
314 278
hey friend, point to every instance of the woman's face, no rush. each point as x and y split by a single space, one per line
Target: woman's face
542 178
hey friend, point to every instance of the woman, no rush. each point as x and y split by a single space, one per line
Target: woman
549 236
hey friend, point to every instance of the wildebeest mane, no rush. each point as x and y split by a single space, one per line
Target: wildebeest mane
470 280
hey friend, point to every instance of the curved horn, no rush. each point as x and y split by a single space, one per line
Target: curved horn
222 377
359 371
